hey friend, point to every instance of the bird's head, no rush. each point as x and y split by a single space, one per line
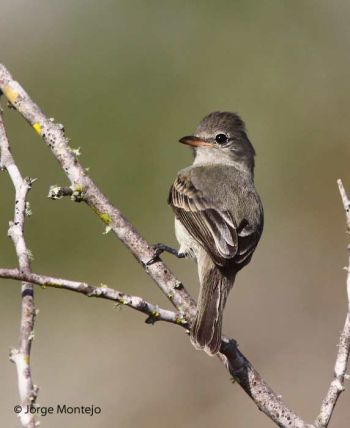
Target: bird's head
221 137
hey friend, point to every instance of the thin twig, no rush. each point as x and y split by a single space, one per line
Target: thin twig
102 291
21 356
346 203
56 192
337 384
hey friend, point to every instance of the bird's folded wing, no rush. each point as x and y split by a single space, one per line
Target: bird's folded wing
247 242
212 228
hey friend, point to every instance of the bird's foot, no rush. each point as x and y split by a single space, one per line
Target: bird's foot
161 248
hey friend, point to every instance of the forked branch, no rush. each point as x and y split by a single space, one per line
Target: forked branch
82 188
21 356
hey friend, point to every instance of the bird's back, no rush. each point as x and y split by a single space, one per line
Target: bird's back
228 188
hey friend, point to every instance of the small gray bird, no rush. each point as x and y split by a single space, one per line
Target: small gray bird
218 217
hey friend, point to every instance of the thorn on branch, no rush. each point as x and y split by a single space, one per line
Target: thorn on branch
30 181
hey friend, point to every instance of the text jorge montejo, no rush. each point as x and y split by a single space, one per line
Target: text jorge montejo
63 409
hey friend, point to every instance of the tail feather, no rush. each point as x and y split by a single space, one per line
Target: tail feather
206 328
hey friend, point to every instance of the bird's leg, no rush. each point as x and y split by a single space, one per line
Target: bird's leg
161 248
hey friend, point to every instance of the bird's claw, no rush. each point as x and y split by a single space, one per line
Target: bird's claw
157 252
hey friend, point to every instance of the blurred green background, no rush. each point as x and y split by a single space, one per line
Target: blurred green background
127 79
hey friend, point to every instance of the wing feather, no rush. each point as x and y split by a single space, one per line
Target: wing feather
213 229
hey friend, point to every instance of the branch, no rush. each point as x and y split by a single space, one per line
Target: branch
21 356
103 292
346 203
53 135
337 385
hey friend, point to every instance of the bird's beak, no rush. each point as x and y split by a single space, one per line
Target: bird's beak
193 141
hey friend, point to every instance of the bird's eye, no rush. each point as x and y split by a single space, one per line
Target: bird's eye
221 138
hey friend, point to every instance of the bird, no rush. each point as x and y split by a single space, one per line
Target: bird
218 217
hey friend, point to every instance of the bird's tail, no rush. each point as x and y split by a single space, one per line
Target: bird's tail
206 328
